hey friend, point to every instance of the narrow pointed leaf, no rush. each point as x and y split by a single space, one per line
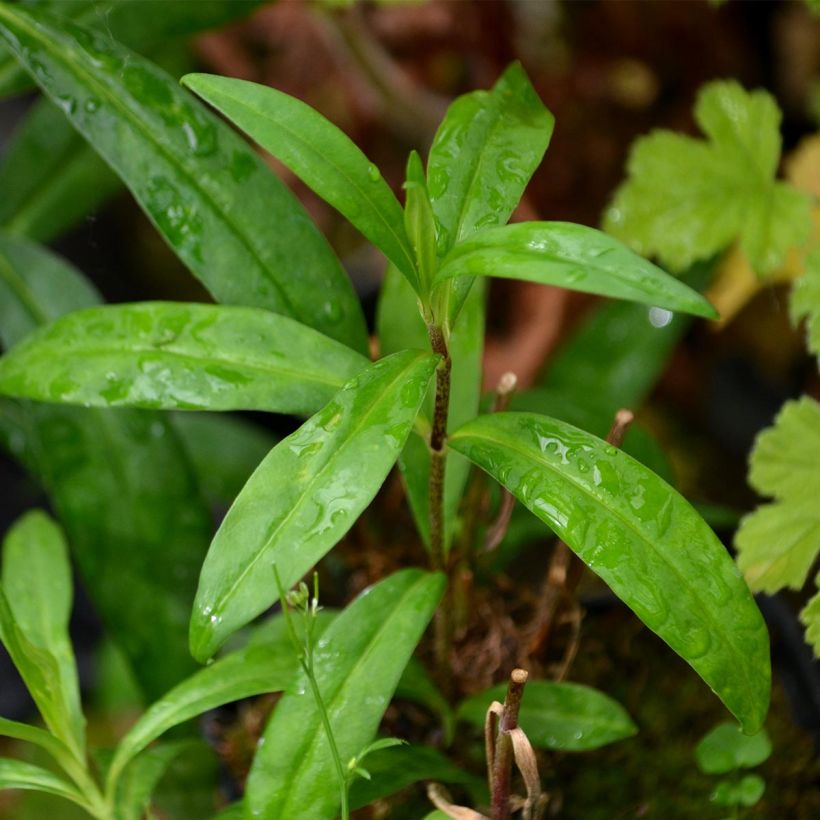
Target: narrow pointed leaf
50 177
38 587
266 663
16 774
33 734
319 153
358 664
400 326
210 196
401 766
571 256
565 716
306 494
175 355
483 155
120 483
642 538
419 223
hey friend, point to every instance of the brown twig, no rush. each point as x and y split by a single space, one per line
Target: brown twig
503 753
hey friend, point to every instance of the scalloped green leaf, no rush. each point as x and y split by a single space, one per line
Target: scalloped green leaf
179 355
306 494
358 664
571 256
642 538
211 197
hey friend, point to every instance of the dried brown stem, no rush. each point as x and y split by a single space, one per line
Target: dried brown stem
503 754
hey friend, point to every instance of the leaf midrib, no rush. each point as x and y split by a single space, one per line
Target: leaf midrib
512 445
190 176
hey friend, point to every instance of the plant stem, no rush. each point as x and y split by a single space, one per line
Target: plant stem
503 758
438 462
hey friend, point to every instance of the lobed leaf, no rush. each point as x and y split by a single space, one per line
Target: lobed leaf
358 662
205 190
38 588
805 300
306 494
687 199
570 256
810 618
319 153
642 538
176 355
565 716
725 749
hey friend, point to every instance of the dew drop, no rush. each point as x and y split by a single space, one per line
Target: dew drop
373 172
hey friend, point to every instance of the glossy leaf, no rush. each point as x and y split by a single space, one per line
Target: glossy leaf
205 190
358 664
420 224
33 734
50 177
16 774
400 327
224 450
143 775
267 663
564 716
482 157
120 483
726 749
306 494
38 587
571 256
173 355
394 769
127 22
319 153
642 538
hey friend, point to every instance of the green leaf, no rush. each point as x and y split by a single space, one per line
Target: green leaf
392 770
687 199
810 618
571 256
127 22
32 734
360 660
172 355
206 191
725 749
319 153
306 494
805 300
400 326
50 177
36 286
420 224
120 483
15 774
224 450
265 664
482 157
38 587
642 538
744 792
417 686
779 542
565 716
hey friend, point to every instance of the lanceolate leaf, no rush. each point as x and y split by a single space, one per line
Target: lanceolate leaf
119 481
420 224
482 158
38 587
358 663
263 665
173 355
321 155
642 538
16 774
49 176
571 256
565 716
306 494
206 191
